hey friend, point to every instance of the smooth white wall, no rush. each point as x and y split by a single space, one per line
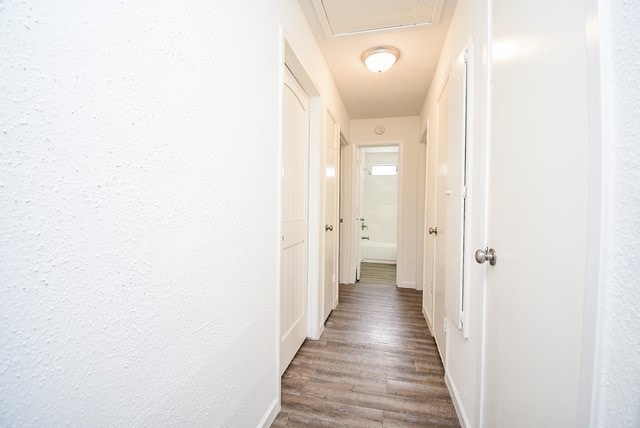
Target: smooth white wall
617 370
138 229
406 130
469 22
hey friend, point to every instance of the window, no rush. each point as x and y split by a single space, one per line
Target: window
382 169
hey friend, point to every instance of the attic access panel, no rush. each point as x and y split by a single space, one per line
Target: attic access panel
341 18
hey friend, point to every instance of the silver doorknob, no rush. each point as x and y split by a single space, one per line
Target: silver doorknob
328 227
433 231
487 255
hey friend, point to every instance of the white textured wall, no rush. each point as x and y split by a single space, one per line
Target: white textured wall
618 344
138 227
406 130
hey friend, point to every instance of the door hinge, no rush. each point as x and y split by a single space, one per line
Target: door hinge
464 192
444 325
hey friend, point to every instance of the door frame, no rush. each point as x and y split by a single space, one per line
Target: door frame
346 268
353 214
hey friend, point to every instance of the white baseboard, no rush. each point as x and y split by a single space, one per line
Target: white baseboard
426 317
407 284
457 402
271 414
320 331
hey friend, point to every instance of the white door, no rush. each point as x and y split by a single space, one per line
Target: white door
455 195
440 235
537 208
293 274
331 216
430 223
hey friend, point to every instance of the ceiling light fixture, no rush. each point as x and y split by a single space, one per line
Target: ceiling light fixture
381 58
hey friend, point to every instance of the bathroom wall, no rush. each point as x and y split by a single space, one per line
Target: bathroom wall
380 200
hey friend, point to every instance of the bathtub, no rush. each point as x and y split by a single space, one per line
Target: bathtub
378 252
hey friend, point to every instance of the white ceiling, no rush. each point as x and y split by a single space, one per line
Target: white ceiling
346 28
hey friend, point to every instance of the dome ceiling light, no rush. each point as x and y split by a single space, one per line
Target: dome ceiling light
381 58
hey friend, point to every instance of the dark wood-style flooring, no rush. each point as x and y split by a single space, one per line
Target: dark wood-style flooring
375 365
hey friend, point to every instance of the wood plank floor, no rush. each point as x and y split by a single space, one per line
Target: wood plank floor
377 273
376 365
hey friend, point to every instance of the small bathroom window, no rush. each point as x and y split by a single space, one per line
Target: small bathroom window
384 169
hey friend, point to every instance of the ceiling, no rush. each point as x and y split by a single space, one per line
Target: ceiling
344 29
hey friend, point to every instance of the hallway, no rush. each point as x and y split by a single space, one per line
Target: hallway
376 364
143 148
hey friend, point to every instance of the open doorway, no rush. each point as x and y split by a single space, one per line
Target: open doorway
377 228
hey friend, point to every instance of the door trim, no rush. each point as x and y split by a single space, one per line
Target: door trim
589 390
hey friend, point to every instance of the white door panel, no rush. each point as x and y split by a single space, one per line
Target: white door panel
455 194
331 216
293 274
430 223
293 232
536 214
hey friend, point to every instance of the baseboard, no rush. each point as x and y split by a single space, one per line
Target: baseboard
271 414
457 402
407 284
320 331
426 317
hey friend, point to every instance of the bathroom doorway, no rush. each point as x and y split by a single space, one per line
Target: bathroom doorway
378 208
